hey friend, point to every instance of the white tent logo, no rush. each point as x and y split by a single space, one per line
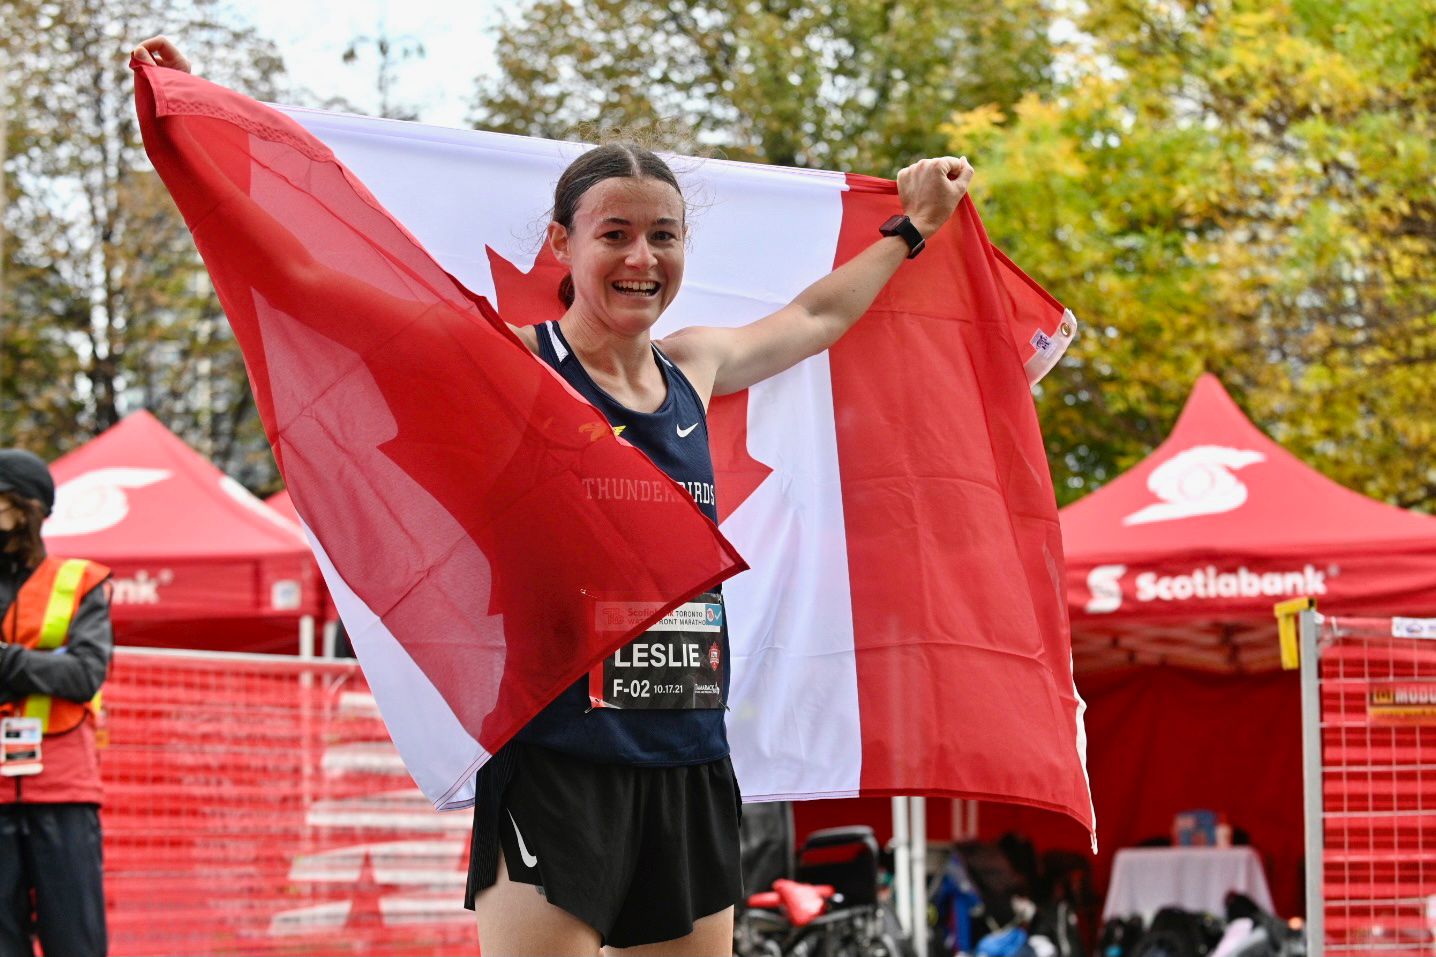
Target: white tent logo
1105 584
96 500
256 505
1198 481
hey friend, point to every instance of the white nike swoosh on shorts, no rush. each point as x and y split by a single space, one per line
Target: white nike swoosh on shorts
530 860
683 433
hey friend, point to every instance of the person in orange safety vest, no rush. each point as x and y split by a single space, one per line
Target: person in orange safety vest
55 645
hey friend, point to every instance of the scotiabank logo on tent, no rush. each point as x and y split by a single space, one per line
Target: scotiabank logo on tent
141 588
96 500
1197 481
1105 584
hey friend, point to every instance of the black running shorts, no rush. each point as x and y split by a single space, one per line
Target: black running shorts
637 853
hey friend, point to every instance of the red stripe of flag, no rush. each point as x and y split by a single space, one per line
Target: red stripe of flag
964 675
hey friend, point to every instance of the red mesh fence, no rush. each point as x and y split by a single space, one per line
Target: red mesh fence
255 805
1378 737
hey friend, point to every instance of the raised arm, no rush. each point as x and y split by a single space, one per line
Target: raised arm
722 361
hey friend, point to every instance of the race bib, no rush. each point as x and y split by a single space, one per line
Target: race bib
676 664
20 741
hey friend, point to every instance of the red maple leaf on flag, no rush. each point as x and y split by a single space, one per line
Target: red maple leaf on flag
529 298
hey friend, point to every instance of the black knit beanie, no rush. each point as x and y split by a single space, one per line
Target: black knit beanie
25 474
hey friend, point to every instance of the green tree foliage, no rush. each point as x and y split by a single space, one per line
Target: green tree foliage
105 306
859 85
1237 186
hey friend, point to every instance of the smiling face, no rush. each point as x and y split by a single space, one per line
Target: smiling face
624 251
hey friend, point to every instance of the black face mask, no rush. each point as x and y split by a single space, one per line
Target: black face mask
13 548
10 564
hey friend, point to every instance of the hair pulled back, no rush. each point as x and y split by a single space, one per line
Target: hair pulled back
609 161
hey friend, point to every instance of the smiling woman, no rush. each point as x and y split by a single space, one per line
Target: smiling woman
611 744
611 819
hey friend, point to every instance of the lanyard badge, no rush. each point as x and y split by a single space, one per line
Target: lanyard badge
20 742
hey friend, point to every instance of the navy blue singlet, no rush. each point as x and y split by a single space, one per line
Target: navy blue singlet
675 437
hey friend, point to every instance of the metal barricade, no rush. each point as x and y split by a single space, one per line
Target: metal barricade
1369 753
254 804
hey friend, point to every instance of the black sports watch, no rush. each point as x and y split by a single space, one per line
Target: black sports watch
903 227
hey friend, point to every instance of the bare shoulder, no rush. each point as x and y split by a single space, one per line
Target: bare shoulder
528 335
694 344
698 351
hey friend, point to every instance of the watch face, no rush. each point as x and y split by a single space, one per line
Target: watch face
903 227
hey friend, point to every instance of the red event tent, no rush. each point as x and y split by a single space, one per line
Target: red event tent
198 561
1172 560
1177 564
284 505
1172 571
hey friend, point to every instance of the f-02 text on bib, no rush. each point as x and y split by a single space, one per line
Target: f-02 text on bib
676 664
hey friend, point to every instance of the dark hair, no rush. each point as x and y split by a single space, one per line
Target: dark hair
23 545
610 161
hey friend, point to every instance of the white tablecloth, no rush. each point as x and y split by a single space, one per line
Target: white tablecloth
1146 879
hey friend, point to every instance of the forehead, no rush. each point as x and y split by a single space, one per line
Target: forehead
631 198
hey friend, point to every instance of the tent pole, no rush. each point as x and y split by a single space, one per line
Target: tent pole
306 636
902 871
964 820
306 648
1312 780
329 643
918 881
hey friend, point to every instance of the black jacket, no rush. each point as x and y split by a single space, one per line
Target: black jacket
74 671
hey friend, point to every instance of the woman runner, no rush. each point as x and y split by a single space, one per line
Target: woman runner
617 827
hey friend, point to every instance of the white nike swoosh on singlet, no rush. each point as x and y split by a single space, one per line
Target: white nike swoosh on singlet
683 433
530 860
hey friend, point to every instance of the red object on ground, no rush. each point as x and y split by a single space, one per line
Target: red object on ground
803 902
198 561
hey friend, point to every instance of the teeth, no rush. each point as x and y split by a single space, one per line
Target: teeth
647 288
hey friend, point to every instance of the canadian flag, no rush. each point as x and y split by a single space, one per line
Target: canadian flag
903 629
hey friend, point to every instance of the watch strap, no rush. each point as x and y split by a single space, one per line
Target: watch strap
902 227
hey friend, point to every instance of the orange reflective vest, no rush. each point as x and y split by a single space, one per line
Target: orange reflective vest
39 618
